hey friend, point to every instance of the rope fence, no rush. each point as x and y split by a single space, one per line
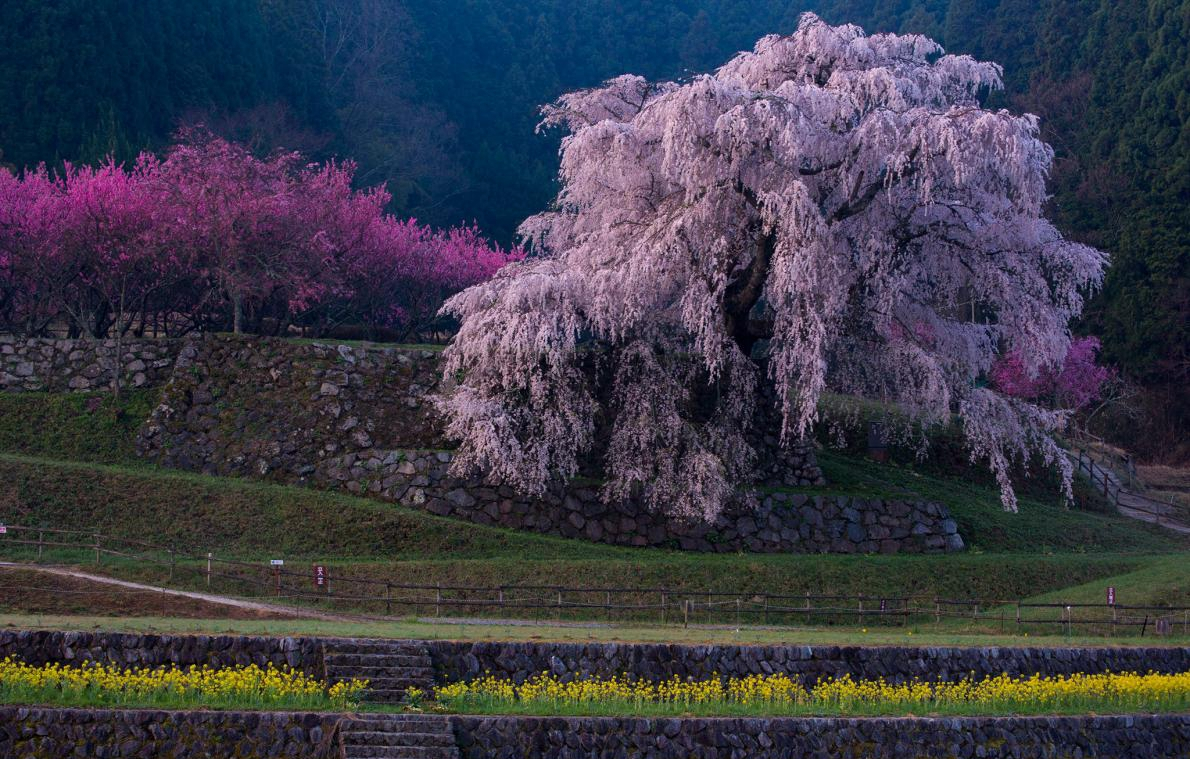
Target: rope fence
349 594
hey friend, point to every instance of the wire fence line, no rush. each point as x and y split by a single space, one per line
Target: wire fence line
377 598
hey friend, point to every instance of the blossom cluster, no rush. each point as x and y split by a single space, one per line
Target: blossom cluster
238 686
844 695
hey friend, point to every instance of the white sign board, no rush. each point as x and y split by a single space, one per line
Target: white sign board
3 530
278 562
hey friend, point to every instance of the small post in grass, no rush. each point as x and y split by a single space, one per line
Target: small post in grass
40 541
97 548
210 556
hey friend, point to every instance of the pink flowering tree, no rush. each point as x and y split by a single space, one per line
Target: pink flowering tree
233 216
852 188
410 273
31 265
213 235
1073 384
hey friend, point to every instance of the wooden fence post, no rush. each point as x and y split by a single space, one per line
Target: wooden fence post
97 548
664 611
40 541
210 556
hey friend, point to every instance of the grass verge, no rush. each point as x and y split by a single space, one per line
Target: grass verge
446 629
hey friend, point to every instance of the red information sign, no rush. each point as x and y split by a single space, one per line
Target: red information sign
319 575
1111 595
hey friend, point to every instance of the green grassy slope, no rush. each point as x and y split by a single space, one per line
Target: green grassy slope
52 473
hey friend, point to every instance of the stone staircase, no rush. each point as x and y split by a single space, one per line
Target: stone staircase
390 667
399 736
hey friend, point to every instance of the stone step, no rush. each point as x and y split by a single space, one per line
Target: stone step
383 695
417 723
365 646
424 673
397 738
396 685
400 752
374 660
402 660
394 681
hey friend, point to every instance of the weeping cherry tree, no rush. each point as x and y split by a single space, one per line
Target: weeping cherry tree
852 187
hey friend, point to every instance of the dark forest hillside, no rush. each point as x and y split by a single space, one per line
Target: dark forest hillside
438 99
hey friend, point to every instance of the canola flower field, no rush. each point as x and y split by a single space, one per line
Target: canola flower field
780 695
238 687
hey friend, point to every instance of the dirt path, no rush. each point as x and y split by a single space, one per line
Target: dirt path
1147 510
209 598
1135 505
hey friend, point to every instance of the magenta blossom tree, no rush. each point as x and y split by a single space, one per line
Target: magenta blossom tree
31 263
1072 385
850 186
213 235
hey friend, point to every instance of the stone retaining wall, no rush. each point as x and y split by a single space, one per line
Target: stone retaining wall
45 733
39 647
50 365
462 660
764 523
360 419
48 733
1085 737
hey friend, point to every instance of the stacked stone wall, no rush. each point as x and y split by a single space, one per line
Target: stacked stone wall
47 733
462 660
42 364
1081 737
361 419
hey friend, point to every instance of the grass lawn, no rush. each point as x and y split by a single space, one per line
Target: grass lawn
68 460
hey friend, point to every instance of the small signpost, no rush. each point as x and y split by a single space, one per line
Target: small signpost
320 577
3 529
1111 595
277 564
